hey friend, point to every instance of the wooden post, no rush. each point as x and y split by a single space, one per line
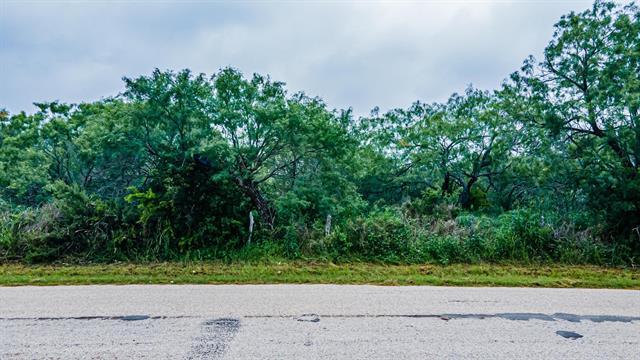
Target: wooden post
327 226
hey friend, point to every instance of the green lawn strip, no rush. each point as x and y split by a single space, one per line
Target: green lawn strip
322 273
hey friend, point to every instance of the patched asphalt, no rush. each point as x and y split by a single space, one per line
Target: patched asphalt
316 322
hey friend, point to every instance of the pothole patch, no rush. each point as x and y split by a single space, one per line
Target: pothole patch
215 336
309 318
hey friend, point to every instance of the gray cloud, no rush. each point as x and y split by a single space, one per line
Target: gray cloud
360 54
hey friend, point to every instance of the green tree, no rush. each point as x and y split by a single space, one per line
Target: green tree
586 91
271 135
23 166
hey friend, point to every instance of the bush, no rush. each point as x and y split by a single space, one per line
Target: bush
196 209
519 235
433 203
381 235
81 226
73 225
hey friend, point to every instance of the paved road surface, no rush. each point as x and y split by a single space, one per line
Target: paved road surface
316 322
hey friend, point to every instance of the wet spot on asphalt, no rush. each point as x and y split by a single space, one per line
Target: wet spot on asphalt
569 334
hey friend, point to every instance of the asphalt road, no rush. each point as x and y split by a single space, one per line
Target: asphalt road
316 322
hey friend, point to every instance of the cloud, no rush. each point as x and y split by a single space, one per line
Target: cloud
359 54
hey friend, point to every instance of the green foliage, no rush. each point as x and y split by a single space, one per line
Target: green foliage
545 169
586 94
382 234
520 235
74 224
196 208
434 203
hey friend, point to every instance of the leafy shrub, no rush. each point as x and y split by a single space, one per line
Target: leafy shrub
74 224
383 234
196 208
433 203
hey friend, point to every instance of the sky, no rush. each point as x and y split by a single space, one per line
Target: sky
358 54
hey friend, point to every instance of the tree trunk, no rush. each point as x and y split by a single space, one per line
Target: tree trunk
266 211
465 196
446 184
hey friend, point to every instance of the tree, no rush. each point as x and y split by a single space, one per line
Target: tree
459 143
23 166
269 133
587 91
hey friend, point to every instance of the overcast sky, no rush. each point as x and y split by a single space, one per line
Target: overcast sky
359 54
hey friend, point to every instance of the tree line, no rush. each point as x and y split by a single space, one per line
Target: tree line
545 168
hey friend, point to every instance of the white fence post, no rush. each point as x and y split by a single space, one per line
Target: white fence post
327 226
250 227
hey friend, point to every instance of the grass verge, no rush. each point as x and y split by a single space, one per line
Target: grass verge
322 273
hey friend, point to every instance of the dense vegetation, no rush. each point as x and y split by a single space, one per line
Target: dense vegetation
546 168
